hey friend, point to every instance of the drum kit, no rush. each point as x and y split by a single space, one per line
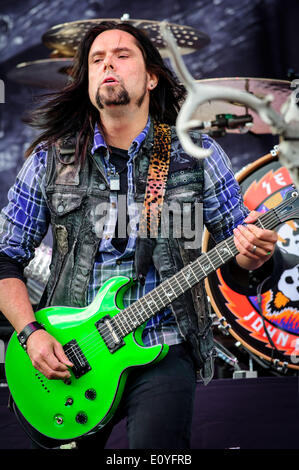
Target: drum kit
216 106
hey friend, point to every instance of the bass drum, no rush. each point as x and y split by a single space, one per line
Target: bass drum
264 184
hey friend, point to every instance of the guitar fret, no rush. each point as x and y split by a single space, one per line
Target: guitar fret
193 273
260 223
134 317
164 292
228 247
218 252
188 274
127 322
175 279
170 286
200 267
152 301
186 278
206 272
117 323
181 280
157 292
120 318
210 259
128 318
142 309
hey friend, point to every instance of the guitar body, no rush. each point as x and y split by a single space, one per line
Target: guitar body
68 410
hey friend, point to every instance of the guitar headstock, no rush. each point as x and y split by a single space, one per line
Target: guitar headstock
289 208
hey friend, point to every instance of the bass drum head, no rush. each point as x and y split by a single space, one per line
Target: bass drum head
264 184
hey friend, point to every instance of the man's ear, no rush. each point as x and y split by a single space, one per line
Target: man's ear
153 81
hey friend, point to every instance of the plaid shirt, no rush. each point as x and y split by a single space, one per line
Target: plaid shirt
24 222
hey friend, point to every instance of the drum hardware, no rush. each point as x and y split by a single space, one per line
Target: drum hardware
284 123
52 73
275 151
245 374
274 366
280 367
66 37
224 122
224 327
226 356
280 90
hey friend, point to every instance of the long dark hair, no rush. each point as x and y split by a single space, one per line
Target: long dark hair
70 111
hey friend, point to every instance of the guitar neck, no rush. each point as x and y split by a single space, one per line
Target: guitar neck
170 289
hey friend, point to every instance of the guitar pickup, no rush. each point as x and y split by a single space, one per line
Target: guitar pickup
110 336
76 356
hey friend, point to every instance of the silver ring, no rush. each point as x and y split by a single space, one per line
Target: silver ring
253 249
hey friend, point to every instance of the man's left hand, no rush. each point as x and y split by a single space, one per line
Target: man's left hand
255 245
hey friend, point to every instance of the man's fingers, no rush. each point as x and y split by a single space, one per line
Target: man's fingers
256 241
61 356
54 374
261 234
47 355
250 245
243 246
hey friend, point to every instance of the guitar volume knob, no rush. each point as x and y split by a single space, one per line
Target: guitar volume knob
81 418
90 394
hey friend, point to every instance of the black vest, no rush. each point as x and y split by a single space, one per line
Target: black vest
76 195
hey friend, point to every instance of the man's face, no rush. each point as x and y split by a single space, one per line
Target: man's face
117 73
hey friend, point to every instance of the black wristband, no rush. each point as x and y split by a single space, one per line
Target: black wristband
27 331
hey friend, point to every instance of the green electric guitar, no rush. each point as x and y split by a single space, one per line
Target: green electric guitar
104 341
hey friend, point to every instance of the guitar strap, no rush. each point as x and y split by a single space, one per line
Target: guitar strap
156 181
153 199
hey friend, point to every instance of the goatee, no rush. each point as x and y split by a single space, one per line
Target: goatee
116 98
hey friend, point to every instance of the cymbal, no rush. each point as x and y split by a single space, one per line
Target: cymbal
260 87
65 37
44 73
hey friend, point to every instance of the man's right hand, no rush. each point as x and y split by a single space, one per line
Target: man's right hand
47 355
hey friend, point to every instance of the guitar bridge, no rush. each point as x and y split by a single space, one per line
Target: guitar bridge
107 330
76 356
